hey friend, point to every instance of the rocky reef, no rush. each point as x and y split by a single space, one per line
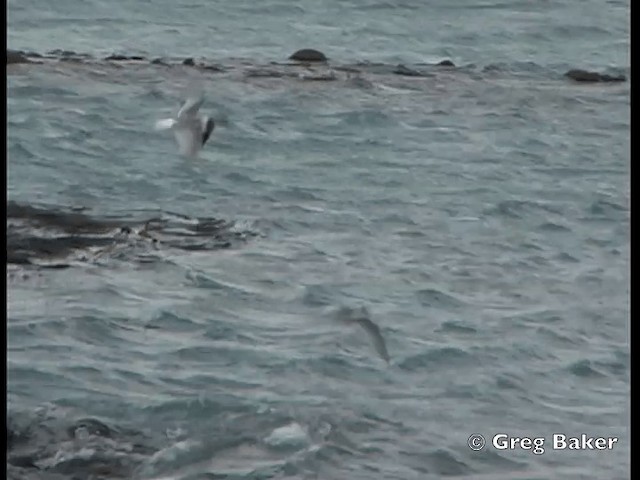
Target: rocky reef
59 238
303 64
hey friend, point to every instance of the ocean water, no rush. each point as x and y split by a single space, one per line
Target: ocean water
477 215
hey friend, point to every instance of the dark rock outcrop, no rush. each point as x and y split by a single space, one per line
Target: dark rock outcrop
92 449
91 426
213 68
14 56
309 58
308 55
68 56
122 58
263 73
58 52
586 76
30 240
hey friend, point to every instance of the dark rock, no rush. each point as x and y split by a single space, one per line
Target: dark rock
263 73
67 55
96 466
64 53
446 63
18 258
15 438
213 68
613 78
22 249
92 426
189 62
71 59
76 233
308 55
124 58
407 72
159 61
14 56
494 67
68 222
593 77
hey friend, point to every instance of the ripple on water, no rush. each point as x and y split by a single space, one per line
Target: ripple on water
585 369
553 227
459 327
172 322
34 91
446 463
318 295
511 381
566 257
522 208
434 298
435 358
618 367
602 209
558 337
19 149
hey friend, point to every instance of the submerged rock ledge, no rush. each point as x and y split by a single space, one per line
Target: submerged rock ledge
57 238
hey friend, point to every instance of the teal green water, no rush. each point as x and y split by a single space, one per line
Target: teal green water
480 216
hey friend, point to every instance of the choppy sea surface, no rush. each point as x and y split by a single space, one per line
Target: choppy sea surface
357 273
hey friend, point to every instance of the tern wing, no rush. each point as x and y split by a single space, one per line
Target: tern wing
189 140
361 318
376 336
190 107
208 126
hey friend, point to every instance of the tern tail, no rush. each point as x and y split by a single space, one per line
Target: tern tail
165 124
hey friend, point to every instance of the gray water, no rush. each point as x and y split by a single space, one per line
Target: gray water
479 216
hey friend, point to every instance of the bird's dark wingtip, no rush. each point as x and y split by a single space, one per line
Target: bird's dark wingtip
208 128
